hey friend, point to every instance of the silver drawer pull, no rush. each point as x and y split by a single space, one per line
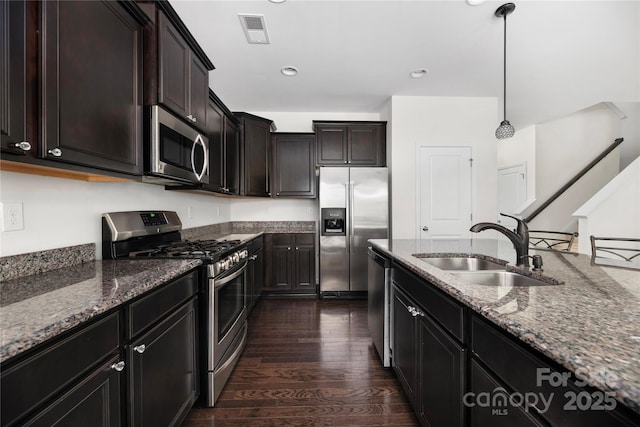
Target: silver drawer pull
140 348
23 145
118 366
56 152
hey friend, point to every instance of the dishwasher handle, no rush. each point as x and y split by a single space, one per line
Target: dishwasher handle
379 259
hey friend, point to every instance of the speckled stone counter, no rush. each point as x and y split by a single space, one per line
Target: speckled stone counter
36 308
590 323
220 231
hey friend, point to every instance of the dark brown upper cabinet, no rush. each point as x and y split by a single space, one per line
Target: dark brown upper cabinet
294 171
17 88
224 150
91 84
255 146
184 79
343 143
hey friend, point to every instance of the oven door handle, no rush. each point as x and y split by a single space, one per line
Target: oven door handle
217 283
199 141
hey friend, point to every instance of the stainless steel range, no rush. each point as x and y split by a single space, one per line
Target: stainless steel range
223 331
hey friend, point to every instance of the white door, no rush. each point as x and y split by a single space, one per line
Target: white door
444 192
512 189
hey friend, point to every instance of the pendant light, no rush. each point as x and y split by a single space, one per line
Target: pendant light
505 130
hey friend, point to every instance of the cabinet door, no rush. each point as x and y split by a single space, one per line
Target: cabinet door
441 377
282 265
404 343
331 145
231 156
91 85
174 56
14 83
255 277
501 414
305 255
215 134
198 92
364 145
294 172
94 401
163 374
257 141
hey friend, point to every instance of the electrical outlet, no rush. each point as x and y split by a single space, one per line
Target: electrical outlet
12 219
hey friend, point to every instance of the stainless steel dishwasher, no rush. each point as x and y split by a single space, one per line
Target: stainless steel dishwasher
379 304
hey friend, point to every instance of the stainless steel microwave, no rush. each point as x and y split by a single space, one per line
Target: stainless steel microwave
177 153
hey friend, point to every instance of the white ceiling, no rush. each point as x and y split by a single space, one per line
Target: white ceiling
352 56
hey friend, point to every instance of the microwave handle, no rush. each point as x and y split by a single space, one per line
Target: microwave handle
197 141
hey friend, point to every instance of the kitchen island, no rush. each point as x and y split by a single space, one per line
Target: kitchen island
588 324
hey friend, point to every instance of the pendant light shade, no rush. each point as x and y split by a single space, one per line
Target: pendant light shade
505 130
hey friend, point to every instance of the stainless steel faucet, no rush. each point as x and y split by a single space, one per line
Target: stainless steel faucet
519 237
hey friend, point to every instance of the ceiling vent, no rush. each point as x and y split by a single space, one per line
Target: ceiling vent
254 28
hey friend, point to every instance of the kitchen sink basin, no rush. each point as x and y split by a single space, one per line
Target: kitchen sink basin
499 278
462 263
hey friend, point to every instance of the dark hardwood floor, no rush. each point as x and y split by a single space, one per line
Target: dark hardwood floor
308 362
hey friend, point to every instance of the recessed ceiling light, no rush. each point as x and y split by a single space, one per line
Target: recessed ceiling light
277 1
289 71
475 2
420 72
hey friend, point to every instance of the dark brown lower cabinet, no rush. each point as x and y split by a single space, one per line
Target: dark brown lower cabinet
163 372
428 362
459 369
255 272
290 263
95 401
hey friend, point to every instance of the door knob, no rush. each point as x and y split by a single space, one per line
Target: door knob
425 228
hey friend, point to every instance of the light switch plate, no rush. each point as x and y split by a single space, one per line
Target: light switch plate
12 218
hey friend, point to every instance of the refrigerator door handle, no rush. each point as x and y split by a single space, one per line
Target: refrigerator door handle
351 214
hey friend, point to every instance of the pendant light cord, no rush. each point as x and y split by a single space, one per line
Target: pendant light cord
504 69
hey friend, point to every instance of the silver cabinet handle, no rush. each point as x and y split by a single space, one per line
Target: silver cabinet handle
23 145
56 152
289 248
118 366
277 194
345 161
140 348
297 248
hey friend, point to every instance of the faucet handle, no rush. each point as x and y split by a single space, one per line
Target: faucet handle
522 226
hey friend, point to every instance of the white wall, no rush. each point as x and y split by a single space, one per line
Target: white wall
563 147
63 212
614 211
521 148
441 121
303 122
630 132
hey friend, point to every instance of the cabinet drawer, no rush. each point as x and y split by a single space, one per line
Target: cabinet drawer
306 239
440 307
147 310
282 239
34 380
521 369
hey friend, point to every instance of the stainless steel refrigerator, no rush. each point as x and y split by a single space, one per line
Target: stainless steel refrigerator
354 207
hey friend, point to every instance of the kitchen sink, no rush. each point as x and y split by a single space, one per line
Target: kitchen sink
461 263
499 278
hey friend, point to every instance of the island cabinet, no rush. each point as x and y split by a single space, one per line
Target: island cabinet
343 143
290 265
224 149
501 363
73 83
459 369
255 148
428 354
294 171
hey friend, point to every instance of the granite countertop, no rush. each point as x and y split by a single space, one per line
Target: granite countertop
589 324
38 307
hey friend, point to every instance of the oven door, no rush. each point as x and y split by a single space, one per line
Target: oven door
227 311
177 151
